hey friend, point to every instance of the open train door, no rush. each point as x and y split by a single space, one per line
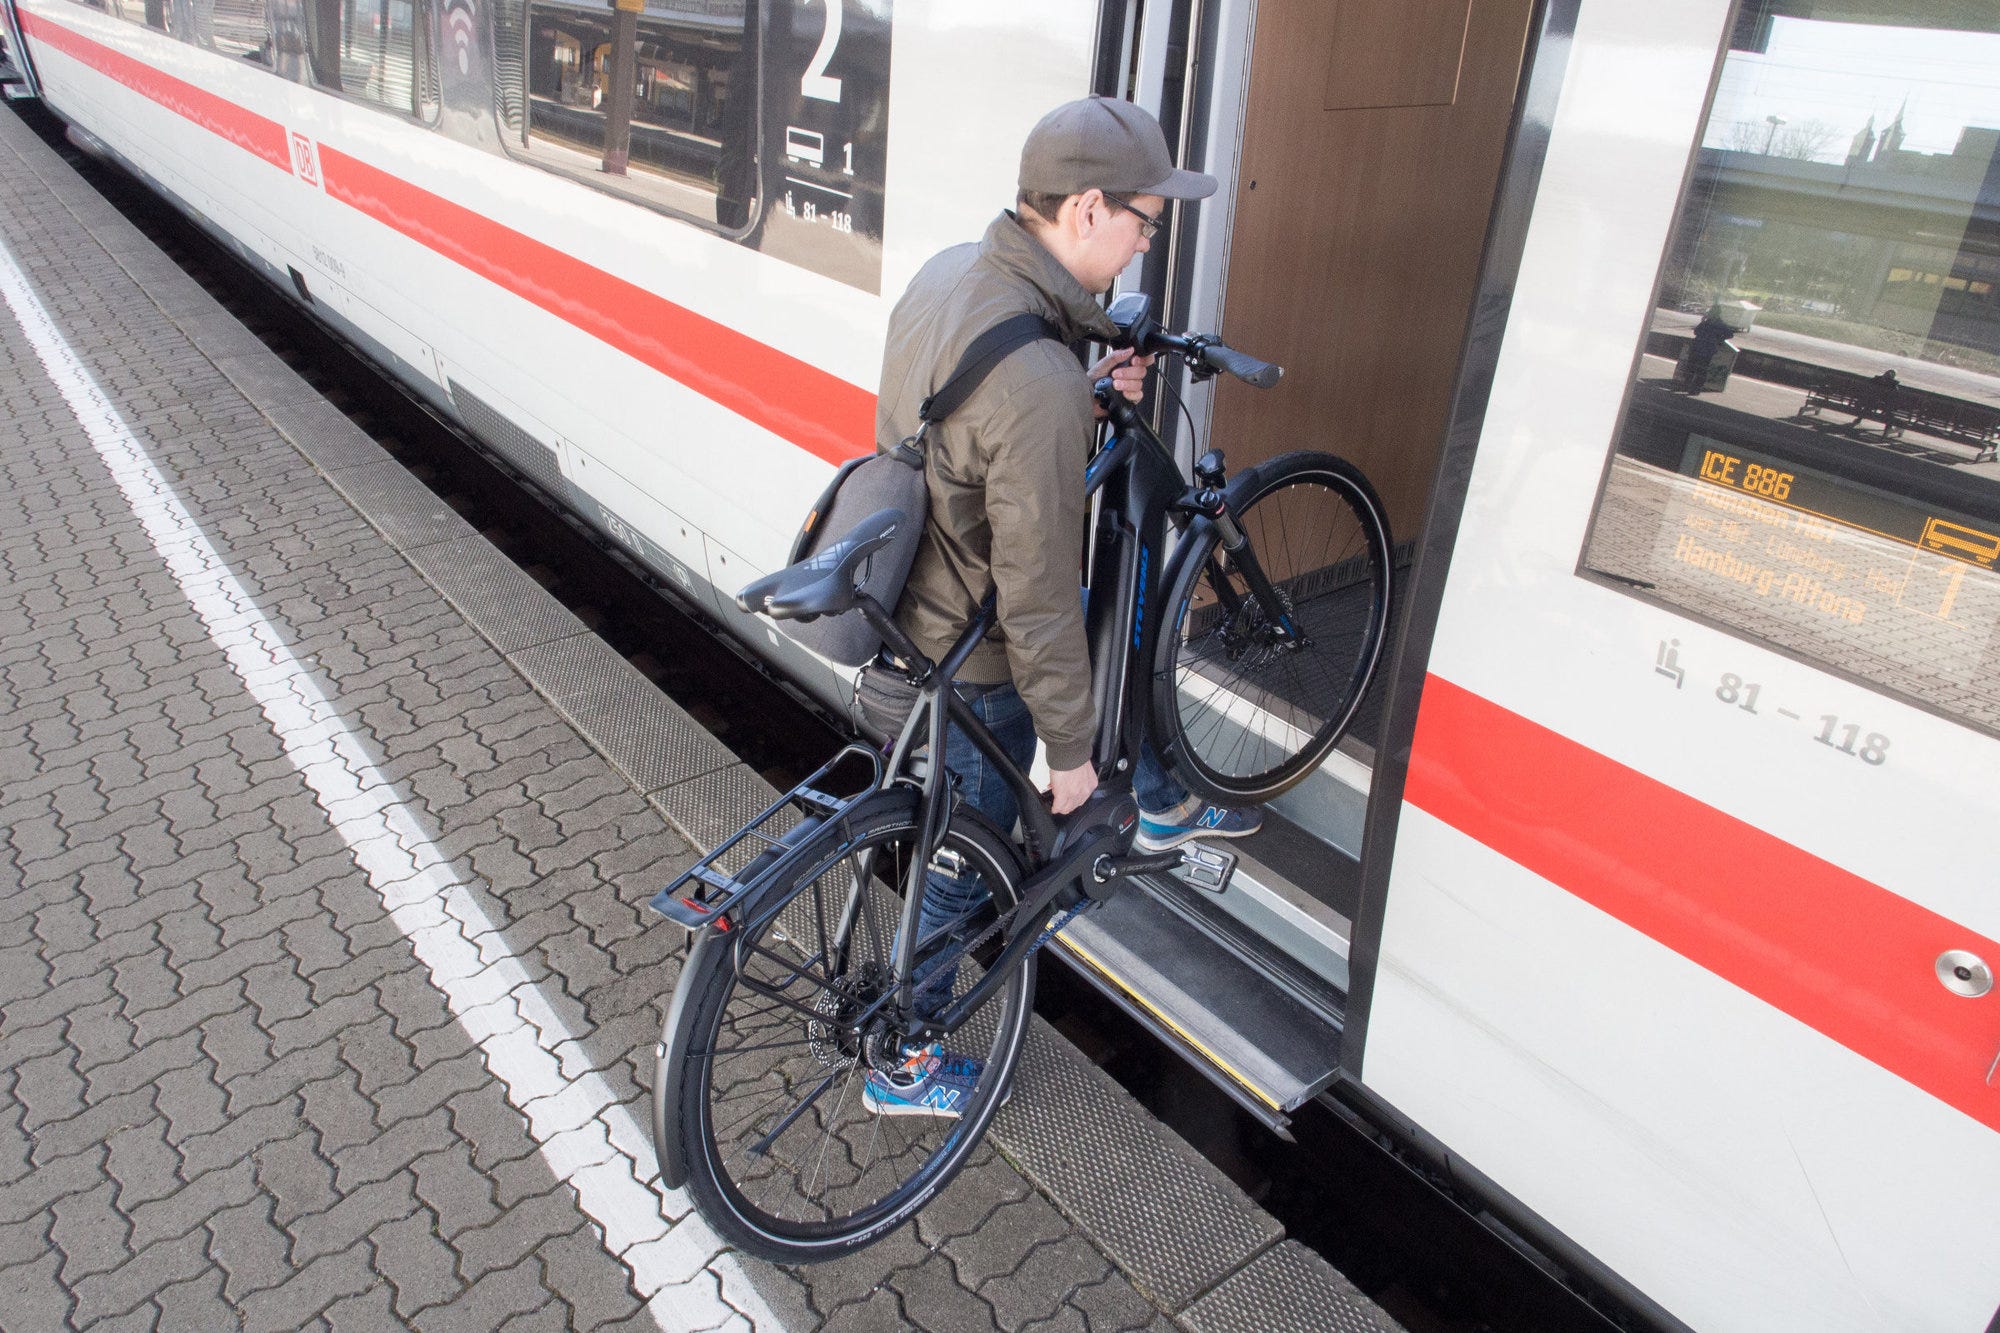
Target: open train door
1680 912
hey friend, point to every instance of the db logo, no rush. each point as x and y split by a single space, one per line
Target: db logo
305 159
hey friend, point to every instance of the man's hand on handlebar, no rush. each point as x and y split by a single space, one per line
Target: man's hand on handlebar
1071 787
1128 377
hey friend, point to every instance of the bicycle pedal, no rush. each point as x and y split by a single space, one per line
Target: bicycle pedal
1206 867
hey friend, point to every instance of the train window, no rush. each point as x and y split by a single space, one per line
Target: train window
764 119
238 28
152 13
179 20
377 50
1808 452
233 27
685 139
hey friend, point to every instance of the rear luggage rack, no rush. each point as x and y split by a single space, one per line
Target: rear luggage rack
704 894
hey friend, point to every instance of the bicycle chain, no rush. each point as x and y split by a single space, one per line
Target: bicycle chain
1001 922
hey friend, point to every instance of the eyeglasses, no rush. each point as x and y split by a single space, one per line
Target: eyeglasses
1149 225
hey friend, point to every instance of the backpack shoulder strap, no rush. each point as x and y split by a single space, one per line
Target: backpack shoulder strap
988 350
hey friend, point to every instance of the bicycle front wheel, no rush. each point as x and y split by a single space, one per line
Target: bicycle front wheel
787 1156
1248 698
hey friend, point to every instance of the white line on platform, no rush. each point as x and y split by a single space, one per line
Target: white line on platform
587 1138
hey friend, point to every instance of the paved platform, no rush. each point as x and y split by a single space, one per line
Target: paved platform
327 996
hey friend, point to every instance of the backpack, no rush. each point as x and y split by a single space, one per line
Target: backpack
864 487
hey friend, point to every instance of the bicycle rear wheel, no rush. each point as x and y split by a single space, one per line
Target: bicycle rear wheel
783 1156
1242 709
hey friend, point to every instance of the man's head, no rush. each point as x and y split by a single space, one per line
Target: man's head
1095 180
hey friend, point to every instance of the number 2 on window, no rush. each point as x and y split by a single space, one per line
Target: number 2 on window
817 83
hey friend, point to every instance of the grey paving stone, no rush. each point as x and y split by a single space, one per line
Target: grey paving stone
1043 1280
932 1298
881 1312
420 1268
488 1302
139 1279
369 1311
31 1296
301 1297
196 1306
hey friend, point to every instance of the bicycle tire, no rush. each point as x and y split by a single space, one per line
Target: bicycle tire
766 1178
1240 712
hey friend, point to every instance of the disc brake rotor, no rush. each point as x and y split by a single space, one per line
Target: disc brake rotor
832 1037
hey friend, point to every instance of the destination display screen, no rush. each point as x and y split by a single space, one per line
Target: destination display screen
1813 495
1867 582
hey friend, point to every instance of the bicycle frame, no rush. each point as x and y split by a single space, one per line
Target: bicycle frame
1142 490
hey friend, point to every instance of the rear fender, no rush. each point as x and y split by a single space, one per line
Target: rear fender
677 1034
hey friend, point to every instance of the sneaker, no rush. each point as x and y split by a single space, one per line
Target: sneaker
1159 832
932 1081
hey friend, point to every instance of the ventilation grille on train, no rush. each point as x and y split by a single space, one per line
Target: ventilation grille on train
501 435
510 76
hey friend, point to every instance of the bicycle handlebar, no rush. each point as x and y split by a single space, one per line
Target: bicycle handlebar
1249 369
1204 353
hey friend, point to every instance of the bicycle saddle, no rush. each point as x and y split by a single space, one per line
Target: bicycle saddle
825 584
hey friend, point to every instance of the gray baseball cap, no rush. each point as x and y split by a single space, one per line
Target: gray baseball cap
1099 143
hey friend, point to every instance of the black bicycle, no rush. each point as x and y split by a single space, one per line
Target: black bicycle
1243 649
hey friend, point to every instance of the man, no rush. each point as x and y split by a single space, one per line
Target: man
1007 508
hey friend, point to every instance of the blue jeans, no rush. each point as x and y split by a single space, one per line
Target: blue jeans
950 900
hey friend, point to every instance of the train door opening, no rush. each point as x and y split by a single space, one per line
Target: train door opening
1372 137
1359 148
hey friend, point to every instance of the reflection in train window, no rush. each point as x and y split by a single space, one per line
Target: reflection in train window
233 27
152 13
372 49
767 121
686 137
1808 455
237 28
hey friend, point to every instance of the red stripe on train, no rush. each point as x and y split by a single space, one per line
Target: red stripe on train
820 413
1840 954
246 129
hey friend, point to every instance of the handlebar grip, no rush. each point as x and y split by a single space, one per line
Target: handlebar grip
1261 374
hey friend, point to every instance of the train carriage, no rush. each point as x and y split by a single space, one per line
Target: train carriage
1650 902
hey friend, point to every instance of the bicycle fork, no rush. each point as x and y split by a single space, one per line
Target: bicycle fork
1211 501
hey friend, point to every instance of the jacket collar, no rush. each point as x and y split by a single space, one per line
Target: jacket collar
1012 248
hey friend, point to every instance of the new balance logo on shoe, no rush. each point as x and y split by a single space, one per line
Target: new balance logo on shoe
1157 833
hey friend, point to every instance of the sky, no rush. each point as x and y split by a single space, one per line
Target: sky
1842 73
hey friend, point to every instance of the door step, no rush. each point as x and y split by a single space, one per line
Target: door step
1258 1025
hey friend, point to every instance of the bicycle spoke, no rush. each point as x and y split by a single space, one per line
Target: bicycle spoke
791 1117
1260 690
790 1139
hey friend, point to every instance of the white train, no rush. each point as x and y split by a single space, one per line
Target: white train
1656 905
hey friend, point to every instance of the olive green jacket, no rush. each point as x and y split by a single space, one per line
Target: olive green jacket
1005 474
